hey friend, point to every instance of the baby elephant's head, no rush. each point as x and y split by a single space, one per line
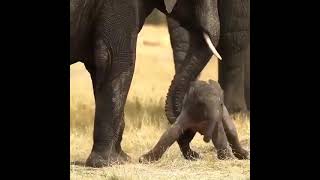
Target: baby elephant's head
204 105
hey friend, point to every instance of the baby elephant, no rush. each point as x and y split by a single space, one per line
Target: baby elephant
203 111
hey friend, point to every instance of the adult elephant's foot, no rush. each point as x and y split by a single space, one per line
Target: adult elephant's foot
124 156
98 160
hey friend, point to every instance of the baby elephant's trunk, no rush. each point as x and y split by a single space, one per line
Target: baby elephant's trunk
214 117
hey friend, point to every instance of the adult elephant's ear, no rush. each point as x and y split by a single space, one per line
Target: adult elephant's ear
170 5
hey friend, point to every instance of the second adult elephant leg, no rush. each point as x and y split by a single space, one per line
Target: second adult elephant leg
231 78
234 40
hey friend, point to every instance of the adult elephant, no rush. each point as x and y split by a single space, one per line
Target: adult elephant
234 70
234 73
103 35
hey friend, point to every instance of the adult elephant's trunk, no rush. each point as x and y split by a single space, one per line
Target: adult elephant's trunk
203 38
198 56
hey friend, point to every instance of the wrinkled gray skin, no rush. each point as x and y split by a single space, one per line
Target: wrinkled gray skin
103 35
233 47
202 111
234 69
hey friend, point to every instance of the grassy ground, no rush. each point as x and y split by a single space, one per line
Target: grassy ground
146 121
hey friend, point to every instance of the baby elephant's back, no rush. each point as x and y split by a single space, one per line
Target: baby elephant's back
205 89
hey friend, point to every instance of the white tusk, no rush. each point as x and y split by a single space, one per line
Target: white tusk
211 46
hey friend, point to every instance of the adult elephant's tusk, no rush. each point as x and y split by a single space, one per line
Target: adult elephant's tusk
211 46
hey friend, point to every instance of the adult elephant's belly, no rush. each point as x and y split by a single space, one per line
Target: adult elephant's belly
80 48
80 30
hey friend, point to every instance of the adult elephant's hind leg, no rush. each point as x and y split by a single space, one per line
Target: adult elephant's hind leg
111 86
231 79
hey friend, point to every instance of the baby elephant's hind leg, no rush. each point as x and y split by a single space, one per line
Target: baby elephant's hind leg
232 136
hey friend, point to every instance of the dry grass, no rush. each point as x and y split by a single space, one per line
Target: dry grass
146 121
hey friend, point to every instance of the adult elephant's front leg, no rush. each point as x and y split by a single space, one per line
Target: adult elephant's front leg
112 75
234 41
231 78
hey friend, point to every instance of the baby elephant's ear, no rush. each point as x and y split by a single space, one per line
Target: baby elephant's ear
216 85
170 5
211 81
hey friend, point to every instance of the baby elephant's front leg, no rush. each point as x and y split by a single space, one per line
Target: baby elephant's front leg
220 142
166 140
232 136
